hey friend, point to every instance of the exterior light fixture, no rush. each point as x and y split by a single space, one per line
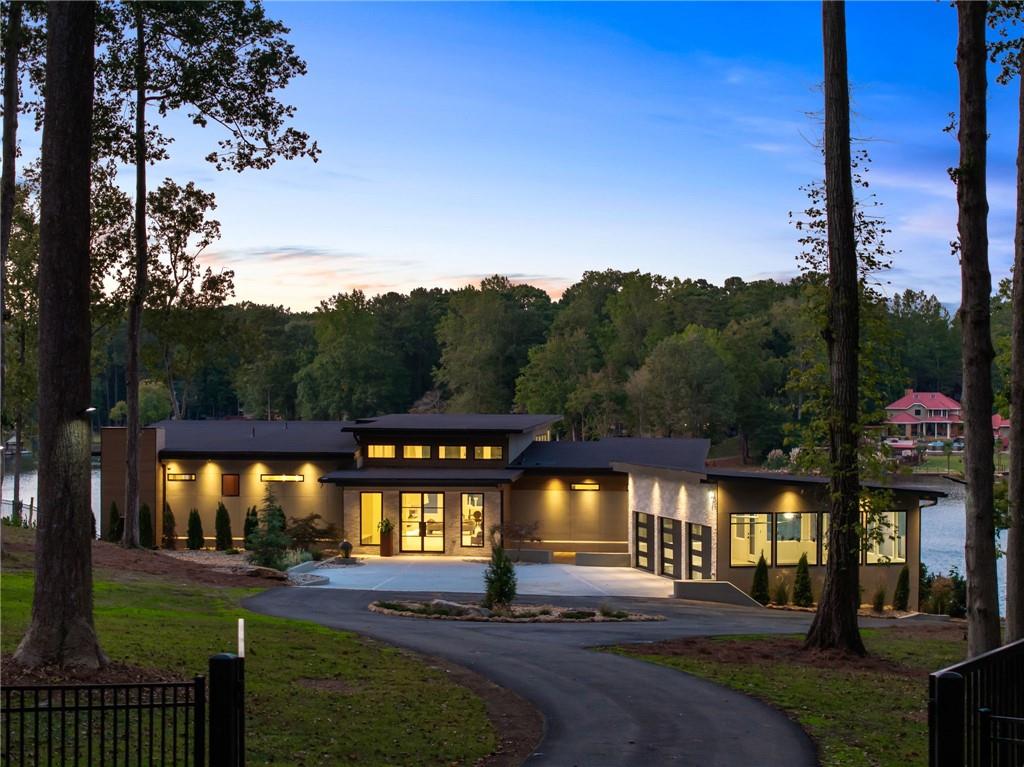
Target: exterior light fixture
87 411
591 486
281 478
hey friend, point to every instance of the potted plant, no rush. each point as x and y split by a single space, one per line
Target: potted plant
385 526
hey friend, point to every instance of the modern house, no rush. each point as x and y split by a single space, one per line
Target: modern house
444 480
925 414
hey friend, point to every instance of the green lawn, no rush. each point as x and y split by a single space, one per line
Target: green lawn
860 717
392 708
936 464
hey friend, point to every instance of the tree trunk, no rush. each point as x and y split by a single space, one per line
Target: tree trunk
138 297
1015 535
61 631
979 547
12 45
835 623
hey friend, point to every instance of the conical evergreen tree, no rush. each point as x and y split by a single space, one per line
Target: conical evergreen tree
759 589
196 540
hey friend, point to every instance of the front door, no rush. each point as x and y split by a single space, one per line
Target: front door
699 555
422 525
643 542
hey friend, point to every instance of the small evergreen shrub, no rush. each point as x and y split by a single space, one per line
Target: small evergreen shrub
759 589
306 531
578 615
170 533
901 597
115 524
146 539
499 580
222 524
878 602
196 541
781 595
269 543
252 521
803 595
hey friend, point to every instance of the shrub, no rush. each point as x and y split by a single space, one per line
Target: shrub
781 593
958 594
196 541
901 597
170 535
115 524
759 589
269 542
608 612
222 525
306 531
499 580
878 602
514 534
578 615
776 460
146 539
803 595
294 557
252 521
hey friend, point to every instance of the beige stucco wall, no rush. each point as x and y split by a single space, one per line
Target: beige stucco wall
391 500
755 497
676 495
298 499
573 520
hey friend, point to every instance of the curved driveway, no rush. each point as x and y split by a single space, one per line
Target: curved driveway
599 708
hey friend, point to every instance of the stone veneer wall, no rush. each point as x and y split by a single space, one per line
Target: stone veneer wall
675 495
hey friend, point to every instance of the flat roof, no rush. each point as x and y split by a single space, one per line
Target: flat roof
437 422
241 437
402 476
678 454
814 479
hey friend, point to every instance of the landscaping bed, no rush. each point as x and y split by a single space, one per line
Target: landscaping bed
441 609
861 712
313 695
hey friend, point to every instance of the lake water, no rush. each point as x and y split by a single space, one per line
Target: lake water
942 525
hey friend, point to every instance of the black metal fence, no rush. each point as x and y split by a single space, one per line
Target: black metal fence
105 724
128 725
976 711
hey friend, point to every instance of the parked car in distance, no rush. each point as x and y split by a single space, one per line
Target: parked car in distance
937 444
958 445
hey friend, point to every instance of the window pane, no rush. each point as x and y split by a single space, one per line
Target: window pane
750 539
472 519
229 485
796 534
370 512
451 451
487 452
416 451
380 451
891 527
824 538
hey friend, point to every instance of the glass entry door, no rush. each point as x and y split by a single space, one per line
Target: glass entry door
422 526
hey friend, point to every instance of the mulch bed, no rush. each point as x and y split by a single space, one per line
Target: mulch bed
790 650
114 673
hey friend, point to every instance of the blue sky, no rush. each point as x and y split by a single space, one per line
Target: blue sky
543 140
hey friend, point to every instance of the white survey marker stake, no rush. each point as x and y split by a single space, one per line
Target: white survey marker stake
241 637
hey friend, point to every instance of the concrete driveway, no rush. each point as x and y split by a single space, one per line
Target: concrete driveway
433 574
599 709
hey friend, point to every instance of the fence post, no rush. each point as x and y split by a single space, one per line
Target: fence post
985 737
947 720
227 710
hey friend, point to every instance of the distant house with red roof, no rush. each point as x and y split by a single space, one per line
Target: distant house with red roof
1001 429
925 414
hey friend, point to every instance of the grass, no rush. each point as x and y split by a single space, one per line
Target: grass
936 464
396 709
870 717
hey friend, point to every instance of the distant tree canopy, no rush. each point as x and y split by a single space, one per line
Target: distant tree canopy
620 353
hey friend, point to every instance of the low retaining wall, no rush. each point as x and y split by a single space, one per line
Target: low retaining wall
602 559
531 555
713 591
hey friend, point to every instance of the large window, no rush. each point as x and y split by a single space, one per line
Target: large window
229 485
422 523
380 451
751 538
415 451
451 451
887 538
371 508
472 519
796 534
487 452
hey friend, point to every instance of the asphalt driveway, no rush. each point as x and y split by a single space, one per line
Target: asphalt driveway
424 573
599 708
